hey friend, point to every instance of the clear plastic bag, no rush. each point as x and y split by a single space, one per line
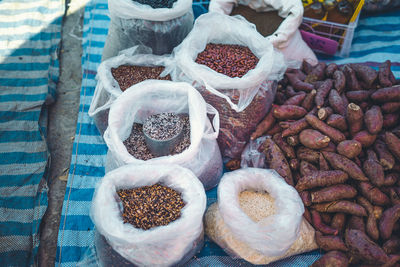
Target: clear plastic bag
120 243
241 102
281 234
107 88
202 156
287 37
253 155
133 23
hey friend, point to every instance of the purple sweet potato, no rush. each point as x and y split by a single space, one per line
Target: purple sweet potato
393 144
390 107
365 73
320 226
276 160
372 225
298 84
308 101
356 222
293 128
373 120
323 164
313 139
392 245
362 247
352 83
365 138
323 92
389 218
294 164
390 120
332 259
317 73
287 150
324 113
388 94
344 206
288 112
339 221
305 197
306 67
391 179
336 102
373 169
330 242
339 80
358 96
335 135
330 69
384 74
340 162
354 118
296 99
306 168
386 159
321 179
337 121
263 126
332 193
307 154
349 148
293 140
373 194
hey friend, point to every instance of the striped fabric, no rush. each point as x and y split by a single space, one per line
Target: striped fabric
30 33
75 239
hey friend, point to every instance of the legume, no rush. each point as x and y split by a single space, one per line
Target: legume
162 126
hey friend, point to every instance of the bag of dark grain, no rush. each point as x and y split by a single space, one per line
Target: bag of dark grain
148 215
117 74
198 151
258 217
277 20
235 69
158 24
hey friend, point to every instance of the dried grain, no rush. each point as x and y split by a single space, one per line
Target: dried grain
162 126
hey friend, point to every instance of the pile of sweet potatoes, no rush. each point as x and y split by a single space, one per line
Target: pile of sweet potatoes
334 134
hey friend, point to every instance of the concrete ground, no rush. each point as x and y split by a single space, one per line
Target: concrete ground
62 125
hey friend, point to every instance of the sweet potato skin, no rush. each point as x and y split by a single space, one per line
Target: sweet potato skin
332 259
340 162
388 94
339 81
333 193
323 92
330 242
336 102
365 138
393 144
339 221
349 148
386 159
263 126
313 139
387 221
321 178
276 160
294 128
373 119
320 226
359 96
288 112
335 135
373 194
337 121
344 206
354 118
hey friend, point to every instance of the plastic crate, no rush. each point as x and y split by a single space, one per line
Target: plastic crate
329 37
200 7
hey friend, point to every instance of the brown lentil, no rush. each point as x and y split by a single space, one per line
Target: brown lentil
127 75
136 144
231 60
162 126
150 206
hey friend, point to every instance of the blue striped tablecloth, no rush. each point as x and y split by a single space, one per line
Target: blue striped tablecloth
30 33
88 157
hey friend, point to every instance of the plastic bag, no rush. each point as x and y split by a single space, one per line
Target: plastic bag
158 246
253 155
287 37
203 156
107 88
276 236
254 91
133 23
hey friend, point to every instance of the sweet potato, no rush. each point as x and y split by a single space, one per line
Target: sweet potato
307 215
339 221
349 148
293 140
330 148
276 128
340 162
388 94
362 247
306 67
357 223
364 106
384 74
389 218
321 179
307 154
288 112
396 131
287 150
378 210
352 83
358 96
323 164
393 144
326 217
386 158
373 119
306 168
332 259
324 113
373 194
294 164
305 197
322 92
313 139
296 99
330 242
308 101
320 226
298 84
332 193
372 225
330 69
335 135
290 92
390 107
365 138
373 169
393 259
354 118
365 73
390 120
392 245
339 80
317 73
336 102
294 128
391 179
275 159
337 121
263 126
344 206
280 98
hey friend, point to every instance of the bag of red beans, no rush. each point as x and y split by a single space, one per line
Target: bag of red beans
235 69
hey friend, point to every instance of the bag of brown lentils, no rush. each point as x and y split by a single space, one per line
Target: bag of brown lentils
159 25
148 215
258 217
117 74
235 69
198 150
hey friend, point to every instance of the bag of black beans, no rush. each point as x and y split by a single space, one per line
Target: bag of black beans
235 69
158 24
148 215
117 74
198 150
